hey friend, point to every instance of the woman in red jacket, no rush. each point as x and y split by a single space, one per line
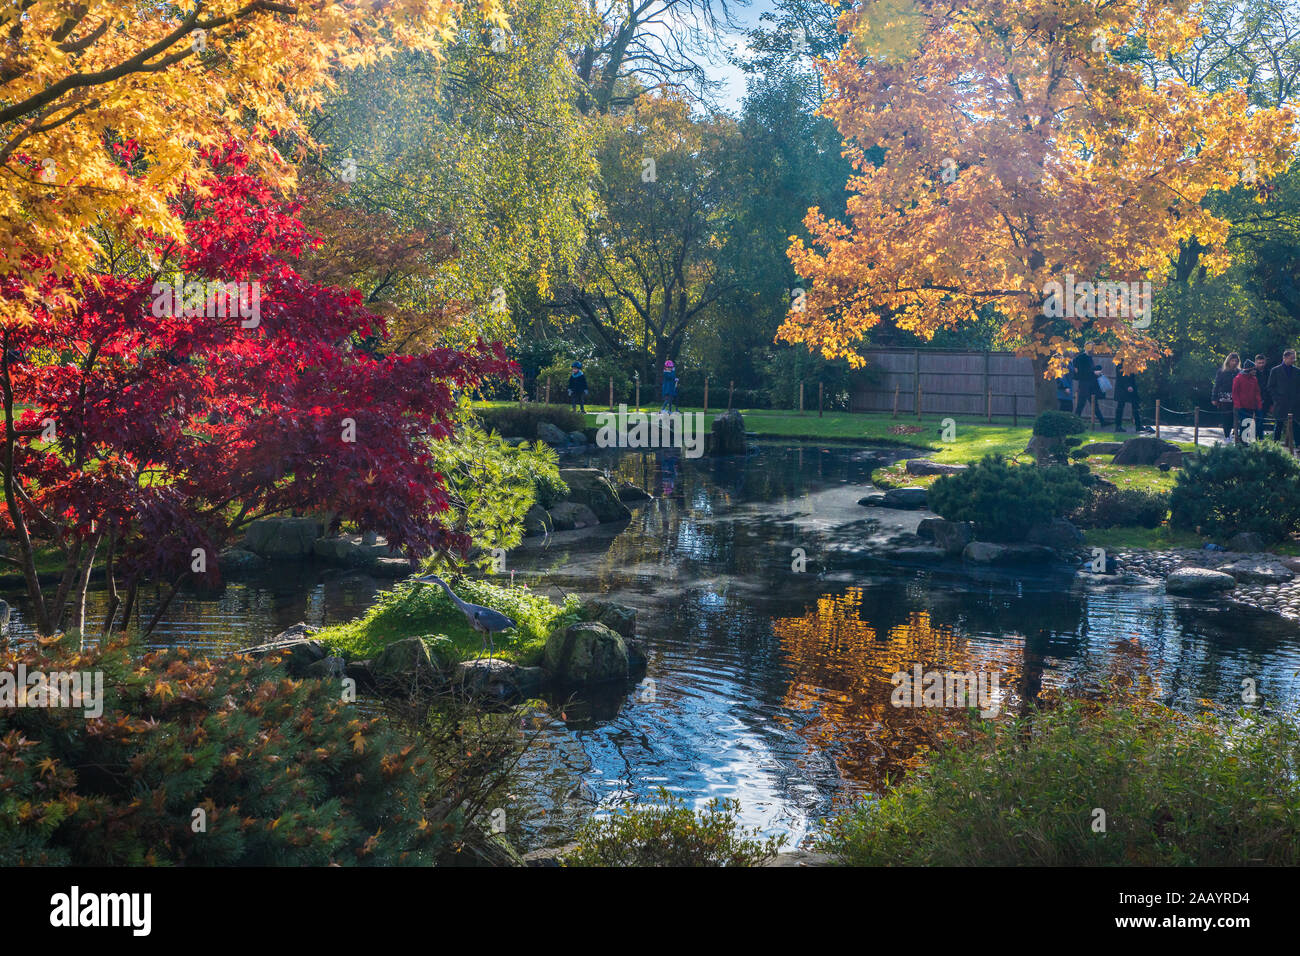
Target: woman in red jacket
1247 400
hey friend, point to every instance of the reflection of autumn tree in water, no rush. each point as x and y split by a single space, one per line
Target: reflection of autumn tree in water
840 668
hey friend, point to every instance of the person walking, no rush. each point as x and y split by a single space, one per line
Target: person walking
1126 393
1246 401
1086 387
577 388
1284 393
670 387
1221 393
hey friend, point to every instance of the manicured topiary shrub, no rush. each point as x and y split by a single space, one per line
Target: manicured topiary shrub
1234 488
1055 424
668 833
1123 507
200 761
514 421
1004 501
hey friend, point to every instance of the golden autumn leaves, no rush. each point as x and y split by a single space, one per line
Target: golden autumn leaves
998 147
78 78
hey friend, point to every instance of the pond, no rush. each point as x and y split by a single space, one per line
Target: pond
773 636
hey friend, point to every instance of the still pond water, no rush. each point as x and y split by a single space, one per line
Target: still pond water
771 685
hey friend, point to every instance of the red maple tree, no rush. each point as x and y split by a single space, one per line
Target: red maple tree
147 437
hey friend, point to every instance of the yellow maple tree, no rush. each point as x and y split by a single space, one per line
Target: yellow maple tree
1001 146
79 76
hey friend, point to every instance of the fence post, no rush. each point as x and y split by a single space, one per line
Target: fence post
638 394
521 391
820 397
706 395
896 388
548 392
801 398
1015 410
989 406
611 393
916 381
1157 418
731 391
1196 427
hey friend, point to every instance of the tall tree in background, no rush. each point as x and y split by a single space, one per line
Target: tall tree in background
652 264
480 156
1015 150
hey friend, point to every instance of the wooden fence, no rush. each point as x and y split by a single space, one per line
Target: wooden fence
949 382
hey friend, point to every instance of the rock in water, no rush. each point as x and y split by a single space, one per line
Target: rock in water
590 487
548 433
1198 581
924 466
586 653
729 434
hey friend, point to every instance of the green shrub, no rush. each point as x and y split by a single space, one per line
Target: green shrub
285 772
1004 501
1056 424
1175 792
515 421
1122 508
549 488
1234 488
668 833
491 486
420 610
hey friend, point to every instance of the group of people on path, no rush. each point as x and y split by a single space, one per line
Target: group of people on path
578 388
1086 385
1247 394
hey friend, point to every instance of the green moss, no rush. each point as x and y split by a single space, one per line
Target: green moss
418 610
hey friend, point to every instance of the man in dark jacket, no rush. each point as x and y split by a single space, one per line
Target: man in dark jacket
1085 385
1284 392
577 388
1126 392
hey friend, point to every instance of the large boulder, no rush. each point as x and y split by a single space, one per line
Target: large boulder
1101 448
548 433
577 438
295 646
568 516
590 487
1057 534
537 521
1253 571
1198 581
237 561
906 499
1143 450
617 617
729 434
1247 541
924 466
1046 449
1170 459
949 536
988 552
345 551
587 652
391 568
630 492
497 679
278 538
407 665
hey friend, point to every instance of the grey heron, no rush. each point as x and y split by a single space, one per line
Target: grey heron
483 619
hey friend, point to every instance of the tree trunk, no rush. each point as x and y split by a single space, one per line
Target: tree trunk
1044 387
